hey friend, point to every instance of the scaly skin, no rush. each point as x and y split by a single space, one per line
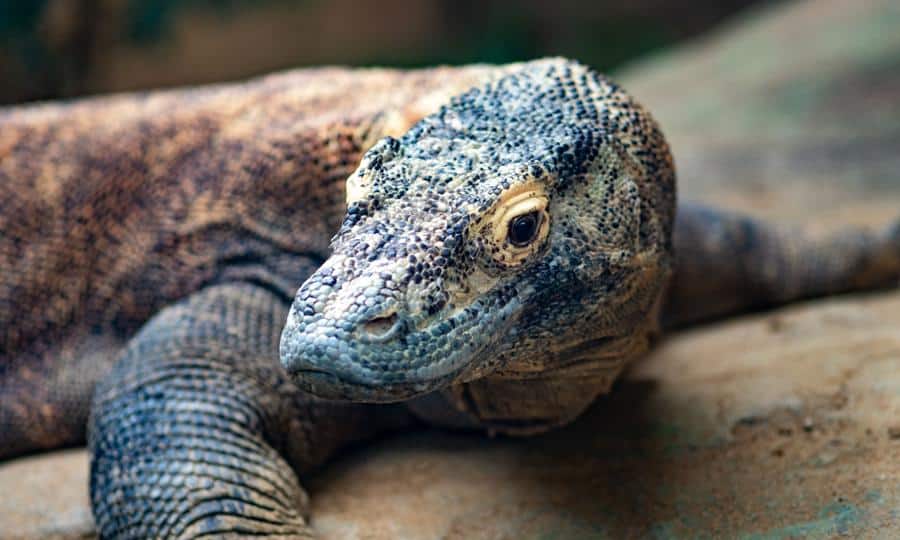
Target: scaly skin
156 241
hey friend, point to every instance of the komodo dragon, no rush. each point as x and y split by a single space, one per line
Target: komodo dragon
495 267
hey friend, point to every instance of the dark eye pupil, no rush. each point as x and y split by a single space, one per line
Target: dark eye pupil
522 229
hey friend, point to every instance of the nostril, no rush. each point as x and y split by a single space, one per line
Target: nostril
380 326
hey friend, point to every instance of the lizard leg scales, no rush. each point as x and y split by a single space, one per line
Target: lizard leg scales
197 432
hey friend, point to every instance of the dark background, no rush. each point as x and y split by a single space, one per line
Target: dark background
64 48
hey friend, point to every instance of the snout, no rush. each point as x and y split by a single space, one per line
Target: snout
365 329
365 360
354 338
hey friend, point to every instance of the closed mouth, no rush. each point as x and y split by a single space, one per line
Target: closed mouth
329 385
383 368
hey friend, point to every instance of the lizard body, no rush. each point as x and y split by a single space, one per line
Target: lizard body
498 264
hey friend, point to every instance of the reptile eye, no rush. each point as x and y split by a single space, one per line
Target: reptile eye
523 229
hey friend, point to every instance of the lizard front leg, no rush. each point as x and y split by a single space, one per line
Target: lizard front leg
199 433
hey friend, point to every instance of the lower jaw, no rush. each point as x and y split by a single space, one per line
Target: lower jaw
329 386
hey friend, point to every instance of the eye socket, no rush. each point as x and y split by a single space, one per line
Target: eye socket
523 229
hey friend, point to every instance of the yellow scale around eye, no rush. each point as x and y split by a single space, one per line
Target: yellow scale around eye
514 202
358 186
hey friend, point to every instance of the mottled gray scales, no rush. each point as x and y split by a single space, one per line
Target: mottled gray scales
504 248
418 247
197 423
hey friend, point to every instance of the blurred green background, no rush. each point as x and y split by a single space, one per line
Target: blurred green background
64 48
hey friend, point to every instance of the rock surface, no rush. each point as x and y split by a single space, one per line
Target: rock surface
778 425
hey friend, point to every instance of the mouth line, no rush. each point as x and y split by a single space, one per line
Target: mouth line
329 385
350 381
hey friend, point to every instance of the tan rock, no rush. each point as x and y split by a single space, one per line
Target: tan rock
777 424
774 425
45 498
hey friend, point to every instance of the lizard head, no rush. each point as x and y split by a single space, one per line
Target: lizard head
519 230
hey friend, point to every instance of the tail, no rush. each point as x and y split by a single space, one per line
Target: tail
727 263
